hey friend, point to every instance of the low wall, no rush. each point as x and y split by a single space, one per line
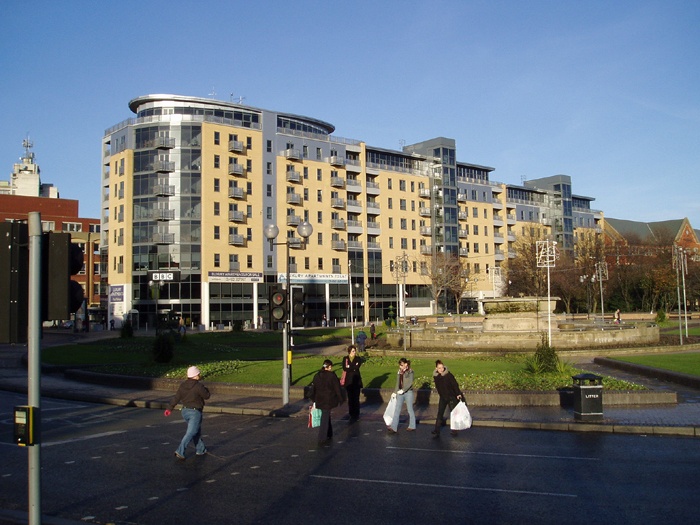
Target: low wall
460 338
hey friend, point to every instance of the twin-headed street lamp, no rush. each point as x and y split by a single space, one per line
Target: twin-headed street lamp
271 231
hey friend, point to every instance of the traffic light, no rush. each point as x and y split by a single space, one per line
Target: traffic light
298 308
14 282
61 296
278 306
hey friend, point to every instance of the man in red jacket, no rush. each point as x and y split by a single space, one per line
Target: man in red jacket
191 394
449 392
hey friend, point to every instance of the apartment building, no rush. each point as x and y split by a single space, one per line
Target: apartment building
190 185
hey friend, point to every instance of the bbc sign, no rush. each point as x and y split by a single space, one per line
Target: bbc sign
165 276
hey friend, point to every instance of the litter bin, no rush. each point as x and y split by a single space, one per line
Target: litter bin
588 397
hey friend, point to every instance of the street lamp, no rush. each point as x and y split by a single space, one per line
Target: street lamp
271 231
160 285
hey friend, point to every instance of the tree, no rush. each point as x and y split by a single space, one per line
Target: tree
443 273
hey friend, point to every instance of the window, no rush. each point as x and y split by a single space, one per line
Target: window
390 204
319 154
388 184
319 174
320 238
486 230
269 261
249 165
391 222
307 263
268 213
404 225
413 224
391 245
216 209
402 185
217 260
319 217
249 143
319 195
216 185
268 168
404 243
249 188
305 151
402 204
217 138
249 261
475 212
269 146
476 229
217 161
474 195
476 247
249 211
486 213
320 263
413 186
249 234
306 173
269 190
217 233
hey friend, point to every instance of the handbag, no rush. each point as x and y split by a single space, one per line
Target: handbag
460 418
314 416
389 412
342 378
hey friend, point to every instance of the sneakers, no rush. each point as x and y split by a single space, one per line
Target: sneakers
179 456
390 430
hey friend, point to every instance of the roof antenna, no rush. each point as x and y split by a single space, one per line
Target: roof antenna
213 92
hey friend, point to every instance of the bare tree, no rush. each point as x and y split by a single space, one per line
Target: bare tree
443 273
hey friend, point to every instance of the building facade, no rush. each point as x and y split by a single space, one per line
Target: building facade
189 186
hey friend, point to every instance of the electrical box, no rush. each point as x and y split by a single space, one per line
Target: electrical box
25 425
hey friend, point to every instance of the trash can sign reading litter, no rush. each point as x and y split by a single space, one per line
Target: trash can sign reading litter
588 397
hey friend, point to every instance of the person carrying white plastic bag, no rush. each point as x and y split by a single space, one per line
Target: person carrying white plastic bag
449 392
389 412
460 418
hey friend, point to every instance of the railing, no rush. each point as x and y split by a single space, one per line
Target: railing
293 176
236 193
236 239
235 169
235 146
338 245
236 216
337 182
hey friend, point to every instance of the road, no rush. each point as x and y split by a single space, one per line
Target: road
106 464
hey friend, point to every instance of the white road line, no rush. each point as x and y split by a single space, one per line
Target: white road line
574 458
452 487
83 438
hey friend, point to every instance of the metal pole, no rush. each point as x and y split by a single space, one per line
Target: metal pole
34 364
352 318
684 270
600 281
678 288
285 337
549 310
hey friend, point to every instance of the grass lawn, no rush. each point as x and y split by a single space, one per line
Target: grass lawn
684 363
255 358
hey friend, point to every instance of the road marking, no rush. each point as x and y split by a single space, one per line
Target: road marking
83 438
575 458
452 487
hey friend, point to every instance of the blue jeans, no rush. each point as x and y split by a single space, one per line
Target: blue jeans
193 418
406 397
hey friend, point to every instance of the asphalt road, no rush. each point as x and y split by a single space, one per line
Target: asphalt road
106 464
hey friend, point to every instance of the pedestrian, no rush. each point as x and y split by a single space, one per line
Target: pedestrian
360 339
404 393
326 396
372 332
617 316
353 381
449 392
192 393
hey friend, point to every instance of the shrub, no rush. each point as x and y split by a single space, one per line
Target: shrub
127 330
164 348
660 316
545 358
237 325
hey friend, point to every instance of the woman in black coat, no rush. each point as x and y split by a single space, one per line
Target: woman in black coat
353 381
449 392
326 396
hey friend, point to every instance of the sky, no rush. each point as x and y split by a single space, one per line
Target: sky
605 92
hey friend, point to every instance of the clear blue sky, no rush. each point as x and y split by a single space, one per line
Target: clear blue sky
607 92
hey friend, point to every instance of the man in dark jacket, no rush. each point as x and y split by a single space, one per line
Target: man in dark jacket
449 392
327 395
191 394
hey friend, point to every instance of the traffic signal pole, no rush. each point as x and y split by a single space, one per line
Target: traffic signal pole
34 364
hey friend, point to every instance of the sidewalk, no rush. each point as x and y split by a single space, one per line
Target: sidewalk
681 419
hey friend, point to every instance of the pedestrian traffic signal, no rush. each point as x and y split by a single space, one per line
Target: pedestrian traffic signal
61 296
298 307
278 306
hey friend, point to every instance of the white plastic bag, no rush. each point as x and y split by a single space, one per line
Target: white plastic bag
389 412
460 418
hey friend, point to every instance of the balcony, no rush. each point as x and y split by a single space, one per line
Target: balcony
236 169
163 215
339 245
424 192
235 146
373 246
464 252
338 203
461 197
354 186
499 255
373 227
462 215
234 266
235 192
163 166
236 239
373 207
293 198
292 154
498 238
164 143
424 212
164 190
236 216
497 220
293 220
355 226
372 188
335 160
354 245
337 182
120 240
163 238
293 176
338 224
336 268
355 204
426 230
426 249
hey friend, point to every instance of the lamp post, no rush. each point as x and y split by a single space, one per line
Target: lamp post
160 284
352 319
546 258
271 231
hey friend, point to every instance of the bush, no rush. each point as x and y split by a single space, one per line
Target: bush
164 348
127 330
660 316
545 358
237 325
